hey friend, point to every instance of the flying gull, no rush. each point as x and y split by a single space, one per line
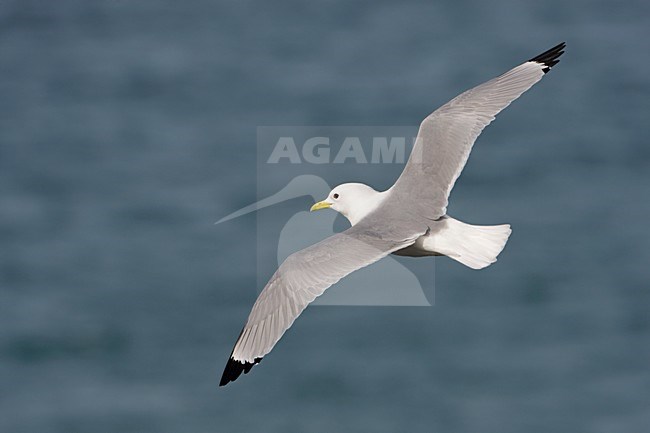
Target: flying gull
408 219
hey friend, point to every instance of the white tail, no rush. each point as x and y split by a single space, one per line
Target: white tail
473 246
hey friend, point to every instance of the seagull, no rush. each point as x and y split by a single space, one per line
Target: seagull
408 219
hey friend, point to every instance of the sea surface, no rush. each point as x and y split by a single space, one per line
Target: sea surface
128 127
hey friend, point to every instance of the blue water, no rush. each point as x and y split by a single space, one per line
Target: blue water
128 127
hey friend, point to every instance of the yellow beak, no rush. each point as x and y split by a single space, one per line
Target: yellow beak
320 205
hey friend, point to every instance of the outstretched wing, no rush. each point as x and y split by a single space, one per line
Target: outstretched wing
447 135
304 276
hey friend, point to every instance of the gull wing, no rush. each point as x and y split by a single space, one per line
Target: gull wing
307 274
447 135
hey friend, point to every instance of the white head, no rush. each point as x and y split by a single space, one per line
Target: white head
352 200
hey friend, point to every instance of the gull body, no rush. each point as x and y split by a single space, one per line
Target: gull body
409 219
474 246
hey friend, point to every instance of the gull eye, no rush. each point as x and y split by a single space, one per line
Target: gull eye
335 196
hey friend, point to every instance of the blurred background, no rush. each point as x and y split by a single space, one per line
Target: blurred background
127 127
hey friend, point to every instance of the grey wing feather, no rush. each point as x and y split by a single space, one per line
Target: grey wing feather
446 136
304 276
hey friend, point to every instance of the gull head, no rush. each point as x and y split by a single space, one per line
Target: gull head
352 200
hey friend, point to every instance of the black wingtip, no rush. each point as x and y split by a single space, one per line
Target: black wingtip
234 369
550 58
